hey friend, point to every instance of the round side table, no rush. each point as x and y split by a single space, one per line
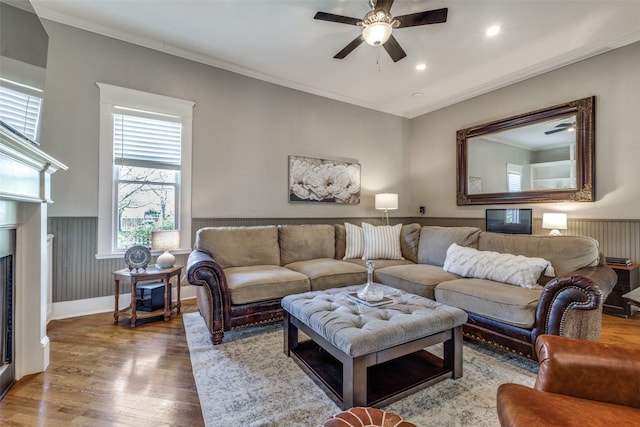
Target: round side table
366 417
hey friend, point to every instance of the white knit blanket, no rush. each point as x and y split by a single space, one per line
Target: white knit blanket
507 268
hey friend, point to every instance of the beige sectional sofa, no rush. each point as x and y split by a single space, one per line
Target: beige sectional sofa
242 273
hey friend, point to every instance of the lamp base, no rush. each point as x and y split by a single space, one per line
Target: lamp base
166 260
555 232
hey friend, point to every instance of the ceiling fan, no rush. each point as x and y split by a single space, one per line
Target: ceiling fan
379 24
561 128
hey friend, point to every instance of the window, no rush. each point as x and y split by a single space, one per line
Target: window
20 107
514 177
146 177
145 145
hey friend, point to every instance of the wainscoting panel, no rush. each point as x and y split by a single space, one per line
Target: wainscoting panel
77 274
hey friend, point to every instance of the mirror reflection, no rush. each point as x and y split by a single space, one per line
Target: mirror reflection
541 156
23 60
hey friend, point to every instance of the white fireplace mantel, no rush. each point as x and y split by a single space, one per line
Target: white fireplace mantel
25 189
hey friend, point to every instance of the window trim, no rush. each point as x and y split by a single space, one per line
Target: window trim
112 97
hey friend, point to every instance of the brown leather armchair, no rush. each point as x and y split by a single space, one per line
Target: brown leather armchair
579 383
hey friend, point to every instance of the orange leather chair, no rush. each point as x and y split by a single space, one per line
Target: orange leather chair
579 383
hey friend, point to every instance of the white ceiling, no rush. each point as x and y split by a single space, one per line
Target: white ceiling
279 41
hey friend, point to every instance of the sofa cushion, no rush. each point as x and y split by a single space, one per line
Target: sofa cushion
341 240
306 241
419 279
506 268
498 301
327 273
240 246
354 243
434 242
409 238
382 242
263 282
565 253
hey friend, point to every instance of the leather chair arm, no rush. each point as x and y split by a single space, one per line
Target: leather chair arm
203 270
589 370
584 289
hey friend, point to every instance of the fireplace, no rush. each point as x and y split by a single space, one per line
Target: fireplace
25 185
7 344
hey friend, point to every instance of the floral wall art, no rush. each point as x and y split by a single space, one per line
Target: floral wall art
319 180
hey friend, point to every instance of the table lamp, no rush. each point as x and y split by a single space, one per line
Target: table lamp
386 202
554 221
165 241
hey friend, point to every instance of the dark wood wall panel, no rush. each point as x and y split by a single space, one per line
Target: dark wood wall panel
77 274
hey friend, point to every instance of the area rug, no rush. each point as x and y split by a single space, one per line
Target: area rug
248 381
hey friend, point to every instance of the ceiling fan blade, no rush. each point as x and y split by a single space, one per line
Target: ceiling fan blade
549 132
435 16
324 16
384 5
393 49
349 48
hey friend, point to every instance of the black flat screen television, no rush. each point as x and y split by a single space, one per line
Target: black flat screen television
509 221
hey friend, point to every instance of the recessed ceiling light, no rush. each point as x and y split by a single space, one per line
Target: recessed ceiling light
421 67
492 31
417 94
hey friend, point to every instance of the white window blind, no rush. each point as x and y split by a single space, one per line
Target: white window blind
514 177
146 142
21 111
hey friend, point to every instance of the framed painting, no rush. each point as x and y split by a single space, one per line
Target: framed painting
321 180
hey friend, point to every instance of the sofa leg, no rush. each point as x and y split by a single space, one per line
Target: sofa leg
217 338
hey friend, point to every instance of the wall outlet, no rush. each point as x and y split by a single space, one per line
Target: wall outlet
421 210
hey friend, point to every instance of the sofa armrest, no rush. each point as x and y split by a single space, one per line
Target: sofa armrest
583 290
215 307
589 370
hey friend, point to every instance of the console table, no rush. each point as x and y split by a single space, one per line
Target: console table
150 274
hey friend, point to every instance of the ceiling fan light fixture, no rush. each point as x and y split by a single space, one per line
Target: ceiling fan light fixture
377 34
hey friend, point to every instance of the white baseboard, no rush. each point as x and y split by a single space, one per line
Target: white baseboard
84 307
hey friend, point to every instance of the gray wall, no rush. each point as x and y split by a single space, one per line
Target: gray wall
243 130
22 36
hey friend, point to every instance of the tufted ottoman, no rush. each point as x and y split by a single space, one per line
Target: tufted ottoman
372 356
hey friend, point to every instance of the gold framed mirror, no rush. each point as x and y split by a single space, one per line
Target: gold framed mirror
541 156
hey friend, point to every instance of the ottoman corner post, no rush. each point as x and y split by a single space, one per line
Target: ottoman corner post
354 382
290 334
453 352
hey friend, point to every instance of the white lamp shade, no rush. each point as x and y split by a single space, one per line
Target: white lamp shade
386 201
165 241
377 34
554 221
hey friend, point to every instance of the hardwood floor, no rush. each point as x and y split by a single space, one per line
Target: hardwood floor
101 374
105 375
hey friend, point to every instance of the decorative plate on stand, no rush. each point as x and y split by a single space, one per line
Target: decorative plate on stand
137 257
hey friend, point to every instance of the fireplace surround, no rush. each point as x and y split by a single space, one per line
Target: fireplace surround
25 185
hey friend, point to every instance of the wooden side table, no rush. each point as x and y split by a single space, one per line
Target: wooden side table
150 274
628 280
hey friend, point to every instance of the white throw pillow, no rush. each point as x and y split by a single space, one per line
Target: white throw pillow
382 242
506 268
355 241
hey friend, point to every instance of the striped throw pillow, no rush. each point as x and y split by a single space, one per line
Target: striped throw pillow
355 241
382 242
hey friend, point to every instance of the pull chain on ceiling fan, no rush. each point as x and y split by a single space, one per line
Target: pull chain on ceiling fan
378 26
